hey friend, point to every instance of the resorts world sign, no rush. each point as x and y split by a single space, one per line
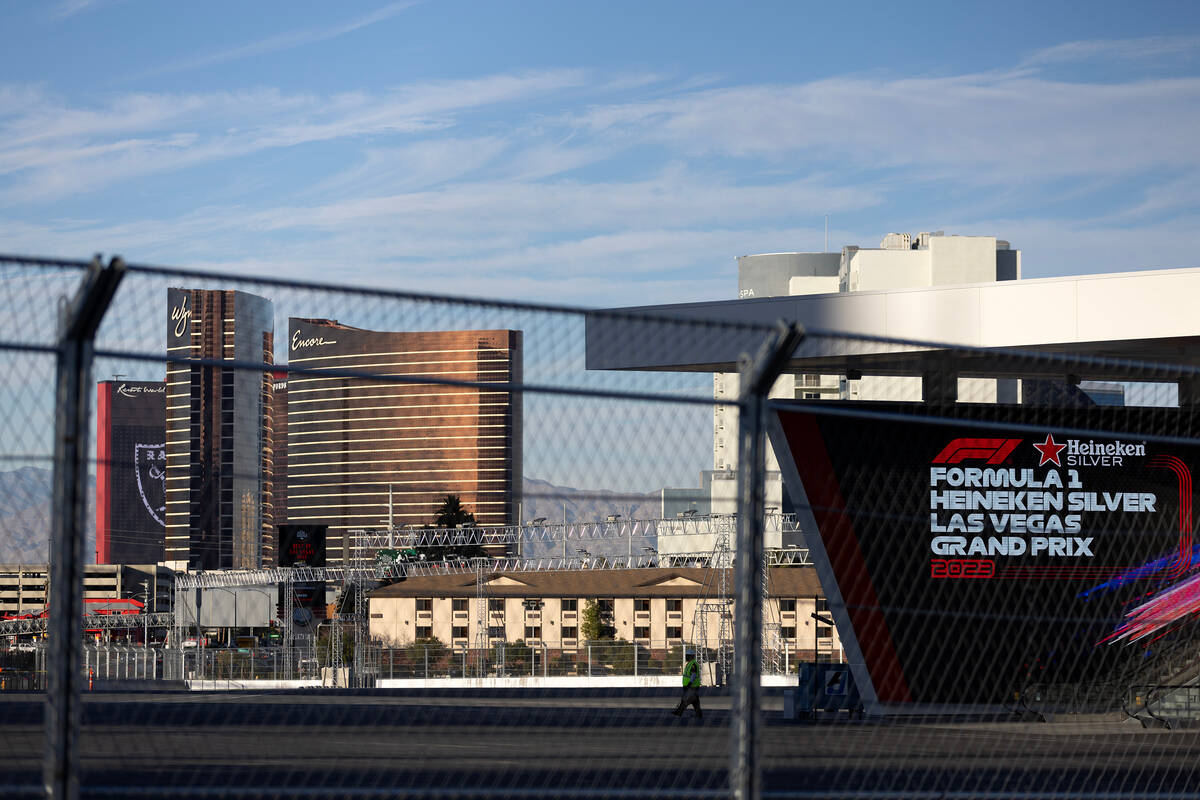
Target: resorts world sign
965 562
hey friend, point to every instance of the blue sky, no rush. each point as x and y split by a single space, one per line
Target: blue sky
599 154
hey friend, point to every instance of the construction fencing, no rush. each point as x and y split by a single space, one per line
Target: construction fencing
999 541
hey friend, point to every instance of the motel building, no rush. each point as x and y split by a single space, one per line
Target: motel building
655 607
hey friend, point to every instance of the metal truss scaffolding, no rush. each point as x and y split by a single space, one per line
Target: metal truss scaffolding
364 572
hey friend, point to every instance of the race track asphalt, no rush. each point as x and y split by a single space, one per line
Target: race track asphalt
496 744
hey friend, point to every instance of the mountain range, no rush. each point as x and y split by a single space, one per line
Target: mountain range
25 500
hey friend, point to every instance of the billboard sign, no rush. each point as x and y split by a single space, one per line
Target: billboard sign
967 560
131 471
230 607
179 318
302 545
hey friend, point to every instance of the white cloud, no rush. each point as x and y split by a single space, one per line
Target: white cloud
286 40
1146 48
982 128
57 150
541 185
1167 198
70 8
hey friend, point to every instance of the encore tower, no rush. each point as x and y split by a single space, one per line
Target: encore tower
352 441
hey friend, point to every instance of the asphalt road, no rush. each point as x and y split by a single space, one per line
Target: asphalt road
419 745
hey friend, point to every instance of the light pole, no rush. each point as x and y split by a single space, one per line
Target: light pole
819 620
145 611
229 631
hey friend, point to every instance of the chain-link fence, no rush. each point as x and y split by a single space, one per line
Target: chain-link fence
263 538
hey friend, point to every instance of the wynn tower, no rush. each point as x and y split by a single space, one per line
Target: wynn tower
218 480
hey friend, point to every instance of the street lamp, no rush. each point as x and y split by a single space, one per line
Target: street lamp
145 596
825 620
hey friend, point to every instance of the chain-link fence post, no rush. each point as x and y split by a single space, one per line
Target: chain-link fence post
78 323
757 377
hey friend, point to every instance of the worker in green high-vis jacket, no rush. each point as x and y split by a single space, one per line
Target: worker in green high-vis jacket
691 685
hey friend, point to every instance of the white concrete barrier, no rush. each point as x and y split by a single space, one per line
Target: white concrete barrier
519 682
234 685
529 682
562 682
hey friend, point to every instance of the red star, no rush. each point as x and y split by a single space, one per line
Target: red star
1049 450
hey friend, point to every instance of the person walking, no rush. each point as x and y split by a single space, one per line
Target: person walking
691 686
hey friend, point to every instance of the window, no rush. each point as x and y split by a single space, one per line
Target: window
460 604
675 604
460 631
496 632
641 631
787 604
824 631
606 605
533 633
570 604
822 604
570 632
641 604
424 604
424 631
811 396
788 633
675 632
495 604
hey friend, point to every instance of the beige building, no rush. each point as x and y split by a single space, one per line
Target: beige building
654 607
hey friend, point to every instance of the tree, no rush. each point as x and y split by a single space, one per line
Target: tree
594 625
453 514
622 655
415 652
675 659
325 649
513 655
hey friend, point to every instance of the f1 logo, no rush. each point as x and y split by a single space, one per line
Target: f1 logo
993 451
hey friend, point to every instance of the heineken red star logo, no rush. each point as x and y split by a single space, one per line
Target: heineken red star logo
1049 450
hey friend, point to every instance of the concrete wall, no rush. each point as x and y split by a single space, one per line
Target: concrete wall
946 260
882 270
812 285
962 259
769 274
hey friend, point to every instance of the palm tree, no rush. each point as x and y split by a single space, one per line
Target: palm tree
453 514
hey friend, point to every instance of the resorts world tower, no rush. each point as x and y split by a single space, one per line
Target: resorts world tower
352 441
218 488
